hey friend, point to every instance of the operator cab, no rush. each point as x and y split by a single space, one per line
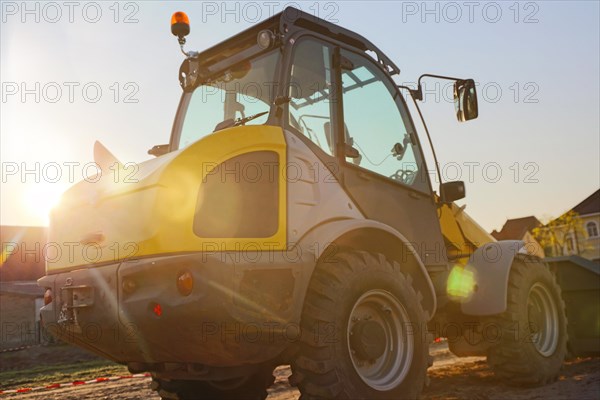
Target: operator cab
283 72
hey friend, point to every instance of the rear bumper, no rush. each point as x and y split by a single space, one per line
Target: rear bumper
239 312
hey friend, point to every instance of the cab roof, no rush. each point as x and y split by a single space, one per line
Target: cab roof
287 23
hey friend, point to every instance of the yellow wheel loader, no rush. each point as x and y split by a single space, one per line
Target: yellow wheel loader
291 219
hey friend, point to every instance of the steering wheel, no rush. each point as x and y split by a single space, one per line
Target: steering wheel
403 175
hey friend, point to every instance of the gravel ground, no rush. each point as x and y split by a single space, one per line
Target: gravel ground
450 378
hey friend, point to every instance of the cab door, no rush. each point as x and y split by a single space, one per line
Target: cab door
382 166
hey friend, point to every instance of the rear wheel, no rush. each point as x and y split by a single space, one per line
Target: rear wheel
362 332
533 330
253 387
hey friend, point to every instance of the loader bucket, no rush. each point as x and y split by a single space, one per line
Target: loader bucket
579 280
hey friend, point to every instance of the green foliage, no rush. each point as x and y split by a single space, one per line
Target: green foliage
561 236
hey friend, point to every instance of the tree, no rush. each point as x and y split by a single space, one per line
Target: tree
561 236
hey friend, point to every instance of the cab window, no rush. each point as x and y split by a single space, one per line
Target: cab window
309 110
243 90
378 132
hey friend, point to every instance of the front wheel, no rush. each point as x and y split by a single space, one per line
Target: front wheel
533 330
362 332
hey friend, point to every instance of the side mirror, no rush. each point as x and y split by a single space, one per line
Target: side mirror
159 150
452 191
465 100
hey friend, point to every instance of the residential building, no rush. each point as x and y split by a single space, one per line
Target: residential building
22 252
20 303
21 264
586 241
521 229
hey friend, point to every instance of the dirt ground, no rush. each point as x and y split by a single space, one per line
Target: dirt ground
450 378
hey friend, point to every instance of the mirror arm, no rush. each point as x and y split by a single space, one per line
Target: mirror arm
417 93
448 78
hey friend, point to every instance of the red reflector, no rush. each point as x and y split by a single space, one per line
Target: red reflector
157 310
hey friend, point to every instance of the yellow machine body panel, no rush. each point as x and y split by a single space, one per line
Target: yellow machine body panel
150 210
462 234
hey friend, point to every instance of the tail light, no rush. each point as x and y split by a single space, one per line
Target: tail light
47 297
185 283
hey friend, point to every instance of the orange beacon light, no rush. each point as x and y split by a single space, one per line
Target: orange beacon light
180 25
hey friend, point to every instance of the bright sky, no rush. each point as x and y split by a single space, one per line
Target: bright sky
76 72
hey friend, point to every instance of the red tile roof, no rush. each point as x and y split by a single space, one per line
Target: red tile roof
515 229
590 205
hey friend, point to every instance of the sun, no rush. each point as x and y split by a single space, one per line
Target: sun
40 198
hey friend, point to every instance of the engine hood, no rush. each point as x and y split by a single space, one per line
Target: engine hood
137 210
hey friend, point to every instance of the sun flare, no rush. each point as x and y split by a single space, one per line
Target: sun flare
39 199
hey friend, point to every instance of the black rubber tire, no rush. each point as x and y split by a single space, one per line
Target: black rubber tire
323 368
515 358
254 388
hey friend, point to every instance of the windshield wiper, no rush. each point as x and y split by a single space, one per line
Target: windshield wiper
229 123
242 121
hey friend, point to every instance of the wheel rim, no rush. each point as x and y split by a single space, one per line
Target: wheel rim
380 340
543 320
